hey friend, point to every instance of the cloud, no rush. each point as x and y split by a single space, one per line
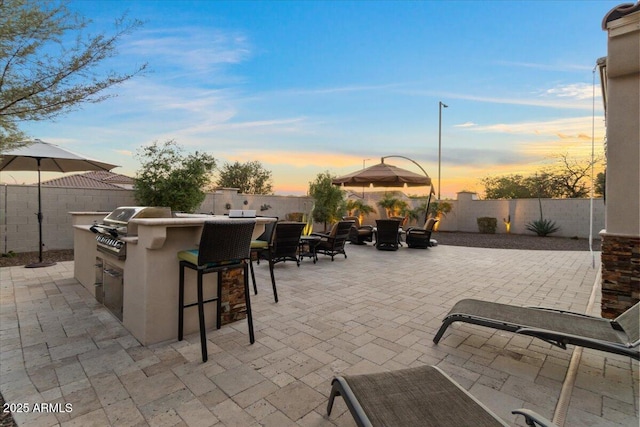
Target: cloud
546 67
575 91
127 153
195 52
465 125
562 128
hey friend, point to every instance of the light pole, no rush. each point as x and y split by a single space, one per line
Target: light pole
440 105
363 160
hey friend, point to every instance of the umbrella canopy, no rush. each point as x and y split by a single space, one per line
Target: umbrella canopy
42 156
52 159
383 175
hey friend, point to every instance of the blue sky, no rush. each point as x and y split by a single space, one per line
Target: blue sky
309 86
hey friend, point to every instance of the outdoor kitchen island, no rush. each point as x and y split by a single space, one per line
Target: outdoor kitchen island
150 275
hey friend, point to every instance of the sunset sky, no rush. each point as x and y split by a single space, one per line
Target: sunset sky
309 86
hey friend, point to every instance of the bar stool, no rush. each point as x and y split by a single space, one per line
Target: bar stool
224 245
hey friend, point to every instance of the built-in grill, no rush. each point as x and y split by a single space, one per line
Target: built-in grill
116 225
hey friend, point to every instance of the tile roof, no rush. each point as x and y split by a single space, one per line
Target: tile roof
94 179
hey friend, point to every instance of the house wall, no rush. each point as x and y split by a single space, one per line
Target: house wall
621 236
19 203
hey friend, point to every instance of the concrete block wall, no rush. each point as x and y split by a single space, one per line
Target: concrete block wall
19 204
19 222
571 215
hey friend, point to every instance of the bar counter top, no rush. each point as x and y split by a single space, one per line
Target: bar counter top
150 272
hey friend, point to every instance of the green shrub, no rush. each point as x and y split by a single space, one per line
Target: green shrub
487 225
542 227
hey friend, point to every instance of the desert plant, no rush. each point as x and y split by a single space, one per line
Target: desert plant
507 223
487 225
542 227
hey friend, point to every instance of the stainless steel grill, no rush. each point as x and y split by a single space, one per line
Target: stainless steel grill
116 225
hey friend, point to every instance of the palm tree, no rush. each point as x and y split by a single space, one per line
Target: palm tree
392 205
358 205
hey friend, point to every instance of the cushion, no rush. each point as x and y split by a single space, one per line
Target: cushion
191 256
259 244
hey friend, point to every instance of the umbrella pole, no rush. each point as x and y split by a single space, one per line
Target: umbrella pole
40 263
426 212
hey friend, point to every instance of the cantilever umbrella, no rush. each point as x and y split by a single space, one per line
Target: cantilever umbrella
383 175
43 156
386 175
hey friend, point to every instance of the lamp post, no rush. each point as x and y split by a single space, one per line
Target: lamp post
440 105
363 160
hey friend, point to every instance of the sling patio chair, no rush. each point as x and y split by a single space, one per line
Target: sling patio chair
557 327
419 397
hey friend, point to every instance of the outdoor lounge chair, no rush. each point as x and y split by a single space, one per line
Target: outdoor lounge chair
359 234
387 234
557 327
420 237
333 242
423 396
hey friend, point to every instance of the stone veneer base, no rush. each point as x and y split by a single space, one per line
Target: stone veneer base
620 273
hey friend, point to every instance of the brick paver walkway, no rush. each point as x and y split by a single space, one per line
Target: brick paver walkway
373 311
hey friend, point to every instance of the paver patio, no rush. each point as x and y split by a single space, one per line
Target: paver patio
373 311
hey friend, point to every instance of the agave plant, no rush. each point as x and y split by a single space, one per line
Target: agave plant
542 227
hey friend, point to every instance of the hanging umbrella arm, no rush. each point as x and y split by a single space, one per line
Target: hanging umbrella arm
426 213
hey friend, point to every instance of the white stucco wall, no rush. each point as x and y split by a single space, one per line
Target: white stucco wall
19 225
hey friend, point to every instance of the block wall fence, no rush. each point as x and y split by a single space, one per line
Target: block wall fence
19 205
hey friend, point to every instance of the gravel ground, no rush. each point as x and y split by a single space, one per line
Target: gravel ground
514 241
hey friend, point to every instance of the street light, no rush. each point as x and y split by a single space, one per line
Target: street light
440 105
363 160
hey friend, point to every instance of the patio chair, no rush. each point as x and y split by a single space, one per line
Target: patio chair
557 327
423 396
261 246
284 247
420 237
387 234
332 243
359 234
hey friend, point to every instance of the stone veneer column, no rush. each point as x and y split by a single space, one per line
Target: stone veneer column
621 237
620 273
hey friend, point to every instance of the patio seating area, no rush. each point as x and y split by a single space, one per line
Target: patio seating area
374 311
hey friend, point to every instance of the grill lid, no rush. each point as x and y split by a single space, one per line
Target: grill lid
122 215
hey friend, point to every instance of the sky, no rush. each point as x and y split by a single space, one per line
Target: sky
306 87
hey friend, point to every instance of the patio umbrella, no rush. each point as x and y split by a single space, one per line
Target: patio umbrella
383 175
43 156
386 175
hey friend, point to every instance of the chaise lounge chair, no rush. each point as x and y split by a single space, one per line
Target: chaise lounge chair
557 327
423 396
